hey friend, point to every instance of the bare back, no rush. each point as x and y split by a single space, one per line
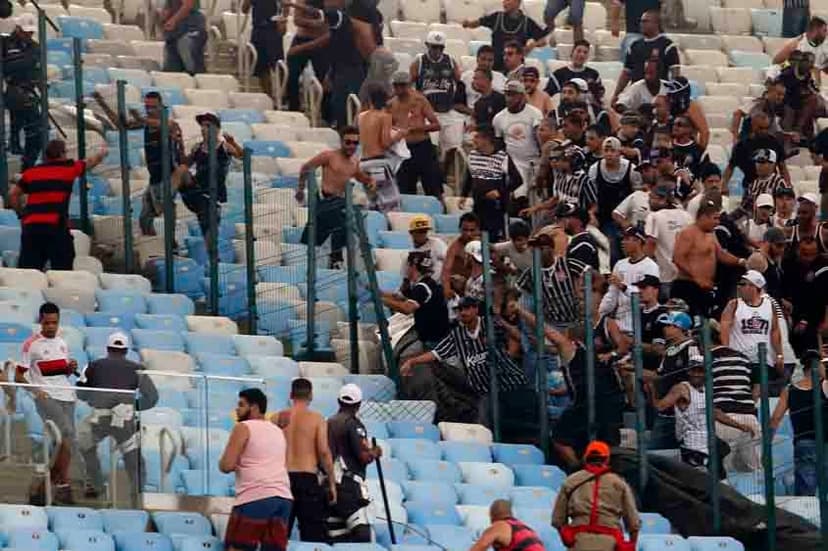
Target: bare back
302 428
336 171
410 113
374 131
701 255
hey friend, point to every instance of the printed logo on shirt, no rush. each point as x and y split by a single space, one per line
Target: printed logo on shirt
755 325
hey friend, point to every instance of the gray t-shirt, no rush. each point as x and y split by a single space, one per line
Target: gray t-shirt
521 260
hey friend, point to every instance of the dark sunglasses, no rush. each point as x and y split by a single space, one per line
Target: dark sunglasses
351 142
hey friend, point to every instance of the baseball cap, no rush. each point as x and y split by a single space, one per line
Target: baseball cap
419 223
663 191
27 23
118 341
635 231
596 448
631 118
676 319
208 117
754 278
784 192
401 77
764 200
696 360
648 280
764 156
467 302
611 143
810 197
515 87
566 208
350 394
435 38
475 250
775 235
531 71
580 83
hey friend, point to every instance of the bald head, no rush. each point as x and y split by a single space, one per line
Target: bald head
500 509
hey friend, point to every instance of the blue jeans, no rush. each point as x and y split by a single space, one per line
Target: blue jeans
626 42
805 467
576 10
186 53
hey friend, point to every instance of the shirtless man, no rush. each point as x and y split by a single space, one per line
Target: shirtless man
410 110
455 263
695 255
307 46
377 135
306 433
338 167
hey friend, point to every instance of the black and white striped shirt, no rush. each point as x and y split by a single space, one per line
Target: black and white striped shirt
768 185
470 348
733 380
560 303
576 188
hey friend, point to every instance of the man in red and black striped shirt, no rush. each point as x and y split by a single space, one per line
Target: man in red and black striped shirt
45 216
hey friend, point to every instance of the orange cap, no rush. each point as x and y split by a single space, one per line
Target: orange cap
597 448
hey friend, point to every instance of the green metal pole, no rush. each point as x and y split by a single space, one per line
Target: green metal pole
44 84
4 164
491 347
80 124
249 240
212 214
167 197
353 308
638 392
767 447
126 193
589 339
822 480
541 358
712 443
310 305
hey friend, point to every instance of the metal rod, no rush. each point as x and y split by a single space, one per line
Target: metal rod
249 241
541 359
491 347
44 85
589 342
353 307
126 193
767 447
310 305
205 477
388 518
4 162
638 392
819 427
712 443
167 197
80 124
211 236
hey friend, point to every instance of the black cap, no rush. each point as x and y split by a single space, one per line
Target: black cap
566 208
208 117
467 302
648 281
635 231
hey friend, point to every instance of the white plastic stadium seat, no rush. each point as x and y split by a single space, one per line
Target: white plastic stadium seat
219 325
465 432
410 46
123 32
150 49
391 260
72 298
427 11
399 220
328 136
730 20
272 132
742 43
290 118
132 282
69 278
698 41
250 100
172 80
87 264
98 14
719 104
267 252
322 369
459 10
706 57
207 99
228 83
451 31
748 4
737 89
495 475
409 29
747 75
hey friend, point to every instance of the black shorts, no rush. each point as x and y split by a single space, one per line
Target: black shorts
269 49
699 301
41 245
572 426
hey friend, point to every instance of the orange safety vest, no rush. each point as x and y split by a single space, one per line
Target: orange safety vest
569 533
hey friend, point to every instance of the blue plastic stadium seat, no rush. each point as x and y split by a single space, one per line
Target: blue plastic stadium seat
219 484
413 429
375 388
410 547
14 332
249 116
496 475
23 516
411 449
32 539
157 340
281 274
392 469
170 95
181 522
471 494
274 317
539 475
375 222
160 322
197 543
171 304
395 239
124 520
376 429
121 320
187 274
97 336
358 547
172 399
9 238
98 352
265 148
116 300
429 512
532 496
71 318
755 60
450 537
434 470
222 364
662 543
308 546
766 22
9 218
653 523
517 454
465 451
86 540
209 343
63 44
273 366
74 518
142 541
79 27
420 203
446 223
714 544
435 492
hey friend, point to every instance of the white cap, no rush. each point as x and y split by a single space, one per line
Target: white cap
580 83
754 278
810 197
435 38
118 341
764 200
27 22
350 394
475 250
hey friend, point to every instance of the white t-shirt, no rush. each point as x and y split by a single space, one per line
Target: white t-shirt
635 207
46 362
618 303
438 249
663 226
519 133
472 95
820 52
637 94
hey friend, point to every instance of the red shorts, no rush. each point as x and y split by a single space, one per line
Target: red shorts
262 522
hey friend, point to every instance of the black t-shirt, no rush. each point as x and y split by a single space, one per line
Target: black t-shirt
742 154
651 333
607 384
563 75
641 50
506 28
633 11
673 369
346 434
582 247
431 318
688 156
341 48
487 107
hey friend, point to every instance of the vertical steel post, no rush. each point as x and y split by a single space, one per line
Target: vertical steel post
80 124
712 443
589 342
4 162
638 392
541 359
167 196
767 447
44 84
310 297
249 240
491 347
212 216
819 426
353 308
126 192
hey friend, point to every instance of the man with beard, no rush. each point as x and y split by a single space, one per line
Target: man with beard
812 41
534 95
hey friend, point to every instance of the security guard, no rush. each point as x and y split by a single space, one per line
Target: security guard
348 518
591 504
21 66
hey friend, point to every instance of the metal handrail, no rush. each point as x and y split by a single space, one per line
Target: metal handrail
49 428
280 79
165 468
354 106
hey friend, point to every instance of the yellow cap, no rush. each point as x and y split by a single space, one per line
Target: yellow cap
419 223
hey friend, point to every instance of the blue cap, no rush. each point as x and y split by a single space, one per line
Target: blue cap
677 319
